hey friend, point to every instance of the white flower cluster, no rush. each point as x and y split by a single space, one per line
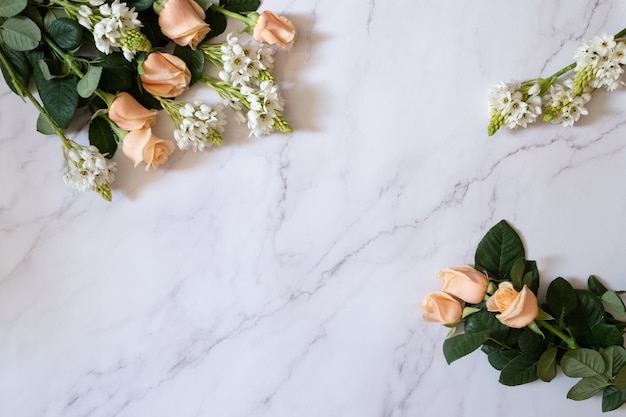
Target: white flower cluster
599 62
89 170
563 105
514 105
110 23
245 65
201 126
247 68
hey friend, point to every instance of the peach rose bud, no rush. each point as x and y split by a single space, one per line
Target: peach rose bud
465 283
517 309
142 146
165 75
273 29
128 114
441 308
183 22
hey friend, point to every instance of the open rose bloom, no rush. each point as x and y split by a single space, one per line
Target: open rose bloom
143 146
183 22
517 309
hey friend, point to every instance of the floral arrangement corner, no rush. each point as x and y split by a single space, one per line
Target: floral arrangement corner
493 306
124 61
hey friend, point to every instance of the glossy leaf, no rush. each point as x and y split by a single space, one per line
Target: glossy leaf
240 6
604 335
595 286
499 250
102 137
517 273
614 300
59 97
561 297
613 398
581 363
10 8
67 33
21 33
43 126
20 67
587 388
217 21
140 5
520 370
463 344
546 367
617 356
500 358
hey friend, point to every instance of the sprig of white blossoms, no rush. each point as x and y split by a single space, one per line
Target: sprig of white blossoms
88 169
201 126
114 27
598 64
246 84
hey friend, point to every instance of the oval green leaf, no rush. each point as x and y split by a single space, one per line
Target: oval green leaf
21 33
102 137
546 367
613 398
67 33
10 8
587 388
581 363
88 84
458 346
498 251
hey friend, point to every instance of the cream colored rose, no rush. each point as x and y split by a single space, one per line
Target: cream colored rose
128 114
517 309
442 308
142 146
183 22
273 29
165 75
465 283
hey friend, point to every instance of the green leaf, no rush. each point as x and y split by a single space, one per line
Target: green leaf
117 74
10 8
67 33
88 84
463 344
595 286
614 300
561 297
20 66
530 343
193 59
45 70
531 277
20 33
620 378
613 398
546 367
499 250
520 370
205 4
43 126
217 21
486 321
59 97
102 137
605 335
240 6
499 358
587 388
517 273
618 358
581 363
140 5
52 15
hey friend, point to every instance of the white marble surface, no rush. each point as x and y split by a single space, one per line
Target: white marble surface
283 276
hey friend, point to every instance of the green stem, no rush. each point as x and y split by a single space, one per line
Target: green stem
570 341
24 91
234 15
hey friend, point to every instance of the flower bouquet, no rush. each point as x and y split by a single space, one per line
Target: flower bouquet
493 306
121 63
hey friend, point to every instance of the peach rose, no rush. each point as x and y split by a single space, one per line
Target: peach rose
273 29
465 283
142 146
165 75
183 22
129 114
441 307
517 309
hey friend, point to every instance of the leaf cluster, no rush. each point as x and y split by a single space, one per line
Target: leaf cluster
574 328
